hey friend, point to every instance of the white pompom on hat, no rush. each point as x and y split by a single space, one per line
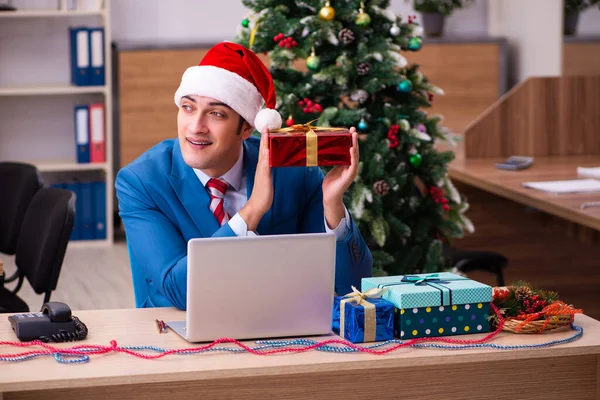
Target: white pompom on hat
233 74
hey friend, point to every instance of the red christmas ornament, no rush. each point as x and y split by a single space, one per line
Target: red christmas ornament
290 121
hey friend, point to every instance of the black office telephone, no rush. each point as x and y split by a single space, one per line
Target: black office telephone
53 324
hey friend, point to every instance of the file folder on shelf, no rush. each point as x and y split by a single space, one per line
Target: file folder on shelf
82 133
97 56
80 56
97 133
99 190
86 211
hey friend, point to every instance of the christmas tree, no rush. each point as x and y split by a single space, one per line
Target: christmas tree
344 63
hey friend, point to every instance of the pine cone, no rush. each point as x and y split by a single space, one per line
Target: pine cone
381 187
359 96
522 293
363 68
346 36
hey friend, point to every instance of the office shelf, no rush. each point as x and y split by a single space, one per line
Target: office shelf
50 13
89 243
56 166
39 90
22 121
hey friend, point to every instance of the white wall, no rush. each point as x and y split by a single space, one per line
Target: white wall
589 22
534 33
186 21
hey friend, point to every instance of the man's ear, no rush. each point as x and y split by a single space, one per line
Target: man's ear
246 130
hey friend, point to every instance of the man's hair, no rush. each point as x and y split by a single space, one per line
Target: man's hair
240 125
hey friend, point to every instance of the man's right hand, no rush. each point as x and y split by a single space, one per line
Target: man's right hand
262 192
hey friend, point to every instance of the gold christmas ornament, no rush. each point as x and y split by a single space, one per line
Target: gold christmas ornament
327 13
363 19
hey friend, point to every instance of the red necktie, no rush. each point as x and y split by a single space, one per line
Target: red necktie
217 189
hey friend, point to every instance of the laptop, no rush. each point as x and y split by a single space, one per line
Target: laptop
259 287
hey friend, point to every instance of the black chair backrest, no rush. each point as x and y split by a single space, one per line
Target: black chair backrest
45 233
19 182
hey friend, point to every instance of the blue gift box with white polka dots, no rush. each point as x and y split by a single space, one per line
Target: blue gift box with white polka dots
441 304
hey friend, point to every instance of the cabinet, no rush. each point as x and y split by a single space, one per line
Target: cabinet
37 99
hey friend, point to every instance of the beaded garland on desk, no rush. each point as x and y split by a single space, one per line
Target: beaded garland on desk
81 353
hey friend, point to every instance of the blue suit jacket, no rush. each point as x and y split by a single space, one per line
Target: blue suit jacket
163 205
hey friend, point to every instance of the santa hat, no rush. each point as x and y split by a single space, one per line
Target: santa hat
236 76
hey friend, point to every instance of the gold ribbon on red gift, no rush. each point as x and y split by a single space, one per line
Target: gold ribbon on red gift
370 314
312 144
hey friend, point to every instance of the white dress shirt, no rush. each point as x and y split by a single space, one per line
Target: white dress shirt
237 196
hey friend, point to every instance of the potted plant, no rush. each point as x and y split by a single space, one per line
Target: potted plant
434 13
571 15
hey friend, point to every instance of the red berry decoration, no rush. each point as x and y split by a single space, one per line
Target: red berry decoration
318 108
393 136
438 196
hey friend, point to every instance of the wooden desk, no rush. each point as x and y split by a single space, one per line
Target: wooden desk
569 371
483 174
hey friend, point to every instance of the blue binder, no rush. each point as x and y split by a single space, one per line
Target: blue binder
97 56
86 227
74 187
82 133
99 189
79 42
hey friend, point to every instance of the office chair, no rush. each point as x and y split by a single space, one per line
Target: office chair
42 244
19 182
466 261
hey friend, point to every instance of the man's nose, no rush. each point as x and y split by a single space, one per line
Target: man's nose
198 125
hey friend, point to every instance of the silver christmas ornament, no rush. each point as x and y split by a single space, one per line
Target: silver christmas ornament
359 96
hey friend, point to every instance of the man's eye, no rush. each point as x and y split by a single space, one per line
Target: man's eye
186 108
218 114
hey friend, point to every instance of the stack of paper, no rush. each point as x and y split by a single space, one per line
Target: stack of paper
567 186
593 172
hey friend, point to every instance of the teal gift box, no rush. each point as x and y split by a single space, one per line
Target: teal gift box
429 305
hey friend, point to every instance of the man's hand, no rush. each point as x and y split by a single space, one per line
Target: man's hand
335 184
262 193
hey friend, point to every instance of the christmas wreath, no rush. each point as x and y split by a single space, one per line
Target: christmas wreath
526 309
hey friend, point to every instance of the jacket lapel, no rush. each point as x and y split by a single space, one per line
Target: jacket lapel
191 193
251 148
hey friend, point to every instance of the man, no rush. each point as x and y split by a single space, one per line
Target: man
215 180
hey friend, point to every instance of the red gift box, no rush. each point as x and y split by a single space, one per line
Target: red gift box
306 146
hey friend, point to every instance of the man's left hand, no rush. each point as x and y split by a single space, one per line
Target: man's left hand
335 184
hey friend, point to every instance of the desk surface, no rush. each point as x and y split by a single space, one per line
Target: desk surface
137 327
482 173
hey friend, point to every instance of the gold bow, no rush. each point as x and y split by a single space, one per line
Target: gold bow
312 144
356 296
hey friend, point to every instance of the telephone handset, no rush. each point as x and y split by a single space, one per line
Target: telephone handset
54 323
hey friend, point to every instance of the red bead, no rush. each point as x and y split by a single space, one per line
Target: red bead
310 103
301 103
318 108
446 207
287 45
281 44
